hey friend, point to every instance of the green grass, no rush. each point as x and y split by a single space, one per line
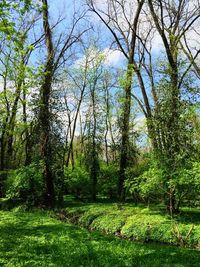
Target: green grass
139 223
36 239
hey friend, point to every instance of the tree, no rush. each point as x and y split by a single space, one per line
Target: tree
14 56
172 29
55 58
94 119
44 115
126 42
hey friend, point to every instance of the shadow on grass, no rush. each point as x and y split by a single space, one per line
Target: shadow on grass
32 239
189 216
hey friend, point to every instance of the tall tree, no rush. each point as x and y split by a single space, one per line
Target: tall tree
54 60
172 29
44 115
125 38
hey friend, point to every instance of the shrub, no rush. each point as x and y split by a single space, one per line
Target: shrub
143 181
26 184
77 181
188 185
107 181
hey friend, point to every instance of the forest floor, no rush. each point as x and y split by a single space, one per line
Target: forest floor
37 239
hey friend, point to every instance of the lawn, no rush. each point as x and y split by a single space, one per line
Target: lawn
37 239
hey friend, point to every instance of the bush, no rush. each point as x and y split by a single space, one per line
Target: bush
77 181
26 184
143 181
151 185
188 185
107 181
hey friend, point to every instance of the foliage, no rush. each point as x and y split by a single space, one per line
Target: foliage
77 181
148 181
107 182
188 185
144 181
26 184
80 105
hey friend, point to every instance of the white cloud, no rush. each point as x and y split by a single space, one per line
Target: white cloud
157 43
112 57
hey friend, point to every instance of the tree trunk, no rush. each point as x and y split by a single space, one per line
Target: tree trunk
44 116
124 153
70 148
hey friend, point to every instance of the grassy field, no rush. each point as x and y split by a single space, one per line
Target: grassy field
36 239
138 223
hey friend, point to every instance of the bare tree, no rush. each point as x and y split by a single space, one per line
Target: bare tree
79 81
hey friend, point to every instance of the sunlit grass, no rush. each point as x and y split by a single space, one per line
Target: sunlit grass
36 239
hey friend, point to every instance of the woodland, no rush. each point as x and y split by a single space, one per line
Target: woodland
100 122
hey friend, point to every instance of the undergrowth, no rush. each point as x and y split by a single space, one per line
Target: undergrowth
139 223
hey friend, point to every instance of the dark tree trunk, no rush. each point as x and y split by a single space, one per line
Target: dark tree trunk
44 116
27 139
171 203
107 124
94 169
124 153
3 143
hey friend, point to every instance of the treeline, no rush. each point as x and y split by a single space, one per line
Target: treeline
100 100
